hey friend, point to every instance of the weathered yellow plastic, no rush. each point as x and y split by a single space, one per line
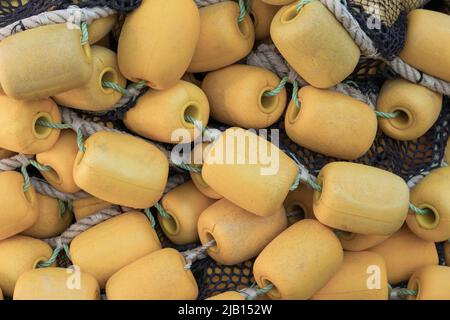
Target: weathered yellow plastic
361 199
158 40
93 96
184 204
427 45
44 61
362 276
223 40
158 276
240 235
50 222
299 204
56 284
158 114
404 253
228 295
236 96
19 131
299 262
244 176
431 283
99 28
61 159
19 210
315 44
111 245
263 14
19 254
359 242
323 113
122 169
84 207
419 109
432 193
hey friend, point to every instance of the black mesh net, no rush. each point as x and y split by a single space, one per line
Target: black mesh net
12 11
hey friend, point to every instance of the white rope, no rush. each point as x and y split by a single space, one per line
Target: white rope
15 162
43 187
205 3
197 253
73 15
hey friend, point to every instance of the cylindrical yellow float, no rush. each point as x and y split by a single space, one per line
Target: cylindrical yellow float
109 246
99 28
160 275
19 254
51 221
417 107
432 193
359 242
159 114
299 204
84 207
315 44
427 45
240 235
20 210
56 284
20 130
430 283
263 14
299 262
361 199
158 41
122 169
184 204
93 95
61 159
404 253
237 96
44 61
223 39
323 114
362 276
249 171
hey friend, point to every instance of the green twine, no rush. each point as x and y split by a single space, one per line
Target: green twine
295 95
419 211
124 91
261 291
387 115
190 168
70 205
406 292
303 3
298 179
26 178
54 256
39 166
63 208
84 33
242 10
314 185
150 217
53 125
162 212
277 89
80 141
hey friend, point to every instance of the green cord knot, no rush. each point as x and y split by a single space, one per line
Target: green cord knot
277 89
84 33
26 177
54 256
387 115
162 212
419 211
150 217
